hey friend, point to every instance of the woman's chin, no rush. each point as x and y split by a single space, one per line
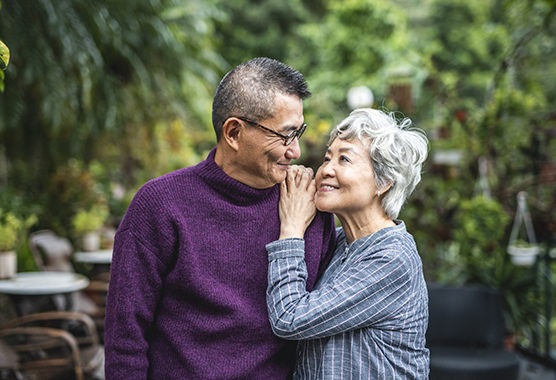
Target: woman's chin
321 206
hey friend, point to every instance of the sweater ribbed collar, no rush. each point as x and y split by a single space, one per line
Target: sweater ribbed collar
236 191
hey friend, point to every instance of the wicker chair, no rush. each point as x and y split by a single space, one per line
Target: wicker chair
55 345
466 334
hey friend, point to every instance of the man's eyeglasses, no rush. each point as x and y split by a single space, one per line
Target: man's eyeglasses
288 139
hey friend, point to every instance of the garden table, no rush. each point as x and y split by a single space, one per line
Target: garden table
100 259
30 291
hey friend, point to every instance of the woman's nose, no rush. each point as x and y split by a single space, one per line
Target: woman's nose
326 170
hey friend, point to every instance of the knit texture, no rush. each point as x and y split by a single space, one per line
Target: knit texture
188 280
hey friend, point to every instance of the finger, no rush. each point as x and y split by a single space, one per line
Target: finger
306 178
291 178
298 174
312 188
293 168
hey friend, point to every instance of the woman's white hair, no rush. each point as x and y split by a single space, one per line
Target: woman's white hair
397 152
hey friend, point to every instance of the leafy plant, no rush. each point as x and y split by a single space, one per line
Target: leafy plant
4 60
4 55
12 228
91 220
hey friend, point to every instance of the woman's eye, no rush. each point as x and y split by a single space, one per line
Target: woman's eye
344 159
326 159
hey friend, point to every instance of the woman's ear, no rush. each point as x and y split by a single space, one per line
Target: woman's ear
231 132
385 189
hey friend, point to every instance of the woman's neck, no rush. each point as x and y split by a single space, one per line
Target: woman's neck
364 224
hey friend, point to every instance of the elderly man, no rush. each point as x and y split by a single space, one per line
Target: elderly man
189 273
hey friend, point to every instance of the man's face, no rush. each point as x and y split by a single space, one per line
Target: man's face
262 156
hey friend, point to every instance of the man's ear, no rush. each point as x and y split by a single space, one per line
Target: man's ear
231 132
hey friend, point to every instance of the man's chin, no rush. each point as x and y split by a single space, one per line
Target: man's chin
280 176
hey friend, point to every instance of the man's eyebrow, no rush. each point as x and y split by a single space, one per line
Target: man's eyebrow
291 128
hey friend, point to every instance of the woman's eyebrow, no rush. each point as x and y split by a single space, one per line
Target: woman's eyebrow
348 150
343 150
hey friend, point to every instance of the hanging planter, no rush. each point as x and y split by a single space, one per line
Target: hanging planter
523 249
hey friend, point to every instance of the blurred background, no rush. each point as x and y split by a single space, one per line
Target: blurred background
100 97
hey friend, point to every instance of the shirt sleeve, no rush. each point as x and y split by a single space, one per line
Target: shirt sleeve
368 292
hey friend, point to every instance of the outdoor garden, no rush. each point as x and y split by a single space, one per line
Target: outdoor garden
96 98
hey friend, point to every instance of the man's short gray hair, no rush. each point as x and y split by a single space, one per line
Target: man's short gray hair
397 152
250 88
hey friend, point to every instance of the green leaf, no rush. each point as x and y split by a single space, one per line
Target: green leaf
4 56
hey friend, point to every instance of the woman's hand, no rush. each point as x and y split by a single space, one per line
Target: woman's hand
297 202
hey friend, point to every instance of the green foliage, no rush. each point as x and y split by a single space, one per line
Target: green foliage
4 60
354 43
4 56
481 224
89 220
75 187
258 28
87 80
12 229
335 44
477 250
113 68
485 95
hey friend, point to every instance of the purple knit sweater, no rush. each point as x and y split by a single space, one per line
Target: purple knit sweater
188 280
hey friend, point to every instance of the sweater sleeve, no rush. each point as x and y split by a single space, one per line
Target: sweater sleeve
368 292
136 280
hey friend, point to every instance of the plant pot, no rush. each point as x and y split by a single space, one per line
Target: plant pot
8 265
91 241
523 256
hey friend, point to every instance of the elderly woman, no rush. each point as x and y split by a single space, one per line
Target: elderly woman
367 316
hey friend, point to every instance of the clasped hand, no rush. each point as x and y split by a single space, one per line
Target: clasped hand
297 202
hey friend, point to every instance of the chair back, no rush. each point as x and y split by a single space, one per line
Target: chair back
465 316
51 252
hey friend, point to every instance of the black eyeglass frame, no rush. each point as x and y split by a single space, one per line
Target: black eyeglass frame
288 139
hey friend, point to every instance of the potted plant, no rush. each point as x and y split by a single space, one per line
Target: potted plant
12 229
86 224
523 253
523 247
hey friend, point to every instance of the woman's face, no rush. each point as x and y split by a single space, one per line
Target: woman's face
345 181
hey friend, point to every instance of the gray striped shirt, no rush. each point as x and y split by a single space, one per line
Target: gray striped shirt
367 316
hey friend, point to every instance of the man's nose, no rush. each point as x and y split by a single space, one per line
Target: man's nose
294 150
